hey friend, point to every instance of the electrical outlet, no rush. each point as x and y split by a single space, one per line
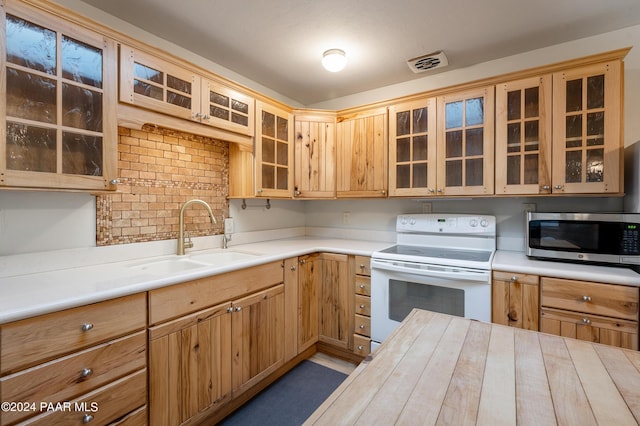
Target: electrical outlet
346 218
529 207
228 225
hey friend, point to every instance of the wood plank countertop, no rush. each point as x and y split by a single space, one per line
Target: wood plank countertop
446 370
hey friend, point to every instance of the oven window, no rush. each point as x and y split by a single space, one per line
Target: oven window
404 296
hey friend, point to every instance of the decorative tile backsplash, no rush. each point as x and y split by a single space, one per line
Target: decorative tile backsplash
158 171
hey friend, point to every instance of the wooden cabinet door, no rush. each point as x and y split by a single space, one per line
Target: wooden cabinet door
315 156
189 365
308 302
226 108
523 136
58 124
257 337
516 300
335 289
466 143
362 154
412 148
274 152
587 123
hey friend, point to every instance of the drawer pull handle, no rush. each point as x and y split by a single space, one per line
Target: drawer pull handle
586 321
586 298
362 266
361 326
86 327
86 372
87 418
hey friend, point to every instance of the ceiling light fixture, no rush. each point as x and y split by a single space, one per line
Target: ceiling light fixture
334 60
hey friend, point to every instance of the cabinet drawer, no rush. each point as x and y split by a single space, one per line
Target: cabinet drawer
66 378
593 298
363 285
363 325
182 299
593 328
363 265
35 340
361 345
363 305
109 403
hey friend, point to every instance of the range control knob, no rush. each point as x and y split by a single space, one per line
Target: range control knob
484 223
473 223
412 221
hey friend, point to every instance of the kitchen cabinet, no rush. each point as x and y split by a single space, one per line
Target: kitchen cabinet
91 354
523 136
151 82
362 145
335 294
308 302
273 152
315 155
362 308
515 300
587 129
412 148
465 128
58 125
213 339
598 312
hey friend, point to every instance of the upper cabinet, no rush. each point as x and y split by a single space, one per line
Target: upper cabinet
273 152
587 122
362 154
412 148
466 142
151 82
523 136
58 120
315 156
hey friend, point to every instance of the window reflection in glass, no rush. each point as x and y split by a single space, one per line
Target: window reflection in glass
573 167
595 165
474 111
30 45
148 73
420 120
403 126
81 62
453 115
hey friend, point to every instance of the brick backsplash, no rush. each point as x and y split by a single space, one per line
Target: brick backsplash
158 170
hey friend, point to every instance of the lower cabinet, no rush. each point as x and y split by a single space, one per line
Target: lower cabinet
202 360
515 300
308 302
597 312
335 290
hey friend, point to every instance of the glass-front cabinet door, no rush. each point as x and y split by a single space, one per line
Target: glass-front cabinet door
226 108
523 136
412 148
587 136
274 151
465 141
58 122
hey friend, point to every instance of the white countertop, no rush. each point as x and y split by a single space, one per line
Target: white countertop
25 295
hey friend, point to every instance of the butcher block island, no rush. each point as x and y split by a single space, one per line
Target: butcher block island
442 369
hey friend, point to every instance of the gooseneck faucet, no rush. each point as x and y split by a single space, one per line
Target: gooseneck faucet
181 243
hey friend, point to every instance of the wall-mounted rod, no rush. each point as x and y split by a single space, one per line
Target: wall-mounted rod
267 205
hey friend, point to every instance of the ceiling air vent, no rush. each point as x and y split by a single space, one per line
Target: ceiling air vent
428 62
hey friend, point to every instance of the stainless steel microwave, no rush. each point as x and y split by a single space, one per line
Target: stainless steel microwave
605 238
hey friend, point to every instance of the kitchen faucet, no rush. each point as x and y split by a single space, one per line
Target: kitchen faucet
181 244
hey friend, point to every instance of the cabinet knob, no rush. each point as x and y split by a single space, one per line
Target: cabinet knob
586 298
293 268
439 190
362 286
86 372
238 308
87 418
360 347
206 117
586 321
114 181
303 261
546 187
297 193
362 266
361 326
558 187
514 278
431 190
229 309
362 306
86 327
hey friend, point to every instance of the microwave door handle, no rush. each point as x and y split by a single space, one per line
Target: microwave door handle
462 275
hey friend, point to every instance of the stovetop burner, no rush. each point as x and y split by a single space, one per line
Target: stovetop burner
439 253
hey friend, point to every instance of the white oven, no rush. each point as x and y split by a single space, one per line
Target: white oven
441 263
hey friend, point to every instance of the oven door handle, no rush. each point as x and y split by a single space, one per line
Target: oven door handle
431 270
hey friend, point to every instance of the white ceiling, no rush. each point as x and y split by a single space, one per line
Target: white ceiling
279 43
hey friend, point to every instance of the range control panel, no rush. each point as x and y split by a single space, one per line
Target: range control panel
446 223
